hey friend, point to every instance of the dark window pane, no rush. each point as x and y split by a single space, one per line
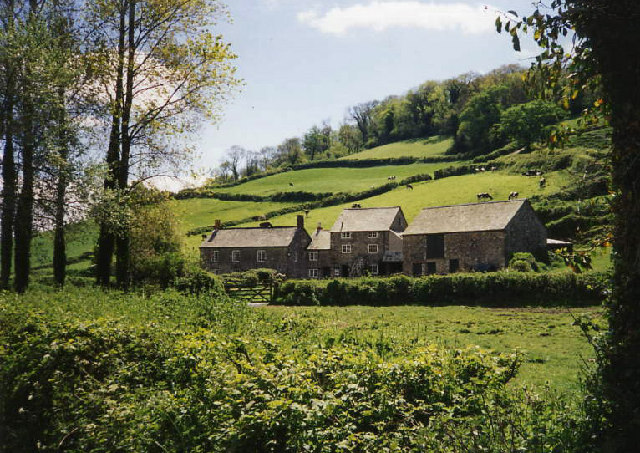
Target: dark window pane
435 245
431 267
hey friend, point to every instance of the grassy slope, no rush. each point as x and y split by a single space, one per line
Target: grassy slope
452 190
332 179
432 146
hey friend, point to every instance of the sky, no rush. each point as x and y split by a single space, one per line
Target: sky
306 61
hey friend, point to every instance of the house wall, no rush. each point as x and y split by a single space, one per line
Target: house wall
289 260
359 249
525 233
483 250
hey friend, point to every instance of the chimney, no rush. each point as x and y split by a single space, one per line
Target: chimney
319 228
300 222
218 225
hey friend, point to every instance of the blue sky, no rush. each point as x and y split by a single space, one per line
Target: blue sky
306 61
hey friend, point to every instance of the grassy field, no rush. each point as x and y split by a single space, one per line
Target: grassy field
433 146
552 348
452 190
333 179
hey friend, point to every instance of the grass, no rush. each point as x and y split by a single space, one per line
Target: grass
552 349
447 191
333 179
432 146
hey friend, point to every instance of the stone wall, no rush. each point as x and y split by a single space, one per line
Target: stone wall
482 251
359 249
525 233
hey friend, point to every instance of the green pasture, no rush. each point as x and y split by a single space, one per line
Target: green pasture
333 180
80 239
552 349
446 191
419 147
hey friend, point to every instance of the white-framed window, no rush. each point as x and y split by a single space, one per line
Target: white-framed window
345 235
262 256
372 248
215 257
346 248
372 235
313 273
336 271
235 256
313 256
374 269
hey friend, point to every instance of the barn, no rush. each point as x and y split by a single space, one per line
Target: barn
471 237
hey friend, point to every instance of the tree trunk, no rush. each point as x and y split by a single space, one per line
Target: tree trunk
106 238
123 241
59 246
611 26
8 170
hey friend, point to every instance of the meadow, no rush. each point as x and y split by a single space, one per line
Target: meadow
429 147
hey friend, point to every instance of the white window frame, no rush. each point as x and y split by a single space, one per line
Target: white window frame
373 268
313 256
372 235
345 235
346 248
372 248
313 273
215 257
235 256
261 254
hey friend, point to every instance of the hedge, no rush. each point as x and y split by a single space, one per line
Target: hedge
493 289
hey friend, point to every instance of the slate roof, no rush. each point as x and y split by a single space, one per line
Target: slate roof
489 216
251 237
320 240
365 219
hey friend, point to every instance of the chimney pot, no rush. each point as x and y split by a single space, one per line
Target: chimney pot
218 224
319 229
300 222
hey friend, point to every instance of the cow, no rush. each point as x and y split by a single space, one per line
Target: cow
306 212
543 182
290 184
483 195
356 205
409 186
513 195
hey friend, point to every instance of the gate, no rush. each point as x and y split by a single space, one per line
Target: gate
256 292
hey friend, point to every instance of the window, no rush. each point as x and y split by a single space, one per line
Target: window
313 273
435 245
262 256
431 267
346 248
215 257
372 235
313 256
374 269
345 235
373 248
417 269
454 265
235 256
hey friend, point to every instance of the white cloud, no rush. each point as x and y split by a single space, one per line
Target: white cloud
381 15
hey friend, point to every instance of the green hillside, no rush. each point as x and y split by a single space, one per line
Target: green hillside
421 148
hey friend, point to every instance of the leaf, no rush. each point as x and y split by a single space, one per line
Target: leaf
513 13
498 25
516 43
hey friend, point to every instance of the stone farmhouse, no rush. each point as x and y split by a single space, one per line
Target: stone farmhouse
477 236
377 241
362 241
282 248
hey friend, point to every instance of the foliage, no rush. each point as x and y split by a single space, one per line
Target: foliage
499 288
528 123
523 262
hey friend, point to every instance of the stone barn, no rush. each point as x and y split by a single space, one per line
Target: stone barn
471 237
319 254
362 238
282 248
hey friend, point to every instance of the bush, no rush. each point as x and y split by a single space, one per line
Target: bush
496 288
523 262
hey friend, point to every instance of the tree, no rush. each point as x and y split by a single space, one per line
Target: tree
234 157
527 123
606 54
361 114
290 151
162 70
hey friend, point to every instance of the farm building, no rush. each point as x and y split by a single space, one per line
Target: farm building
239 249
366 241
319 254
477 236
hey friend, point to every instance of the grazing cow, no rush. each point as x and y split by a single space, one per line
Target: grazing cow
306 212
258 217
538 172
493 168
391 178
266 225
483 195
409 186
513 195
290 184
356 205
543 182
482 169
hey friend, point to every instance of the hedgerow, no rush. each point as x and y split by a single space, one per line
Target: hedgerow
495 288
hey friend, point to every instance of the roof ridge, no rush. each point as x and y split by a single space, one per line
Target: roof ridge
372 207
474 204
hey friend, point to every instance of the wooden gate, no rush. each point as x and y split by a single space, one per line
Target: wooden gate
262 291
